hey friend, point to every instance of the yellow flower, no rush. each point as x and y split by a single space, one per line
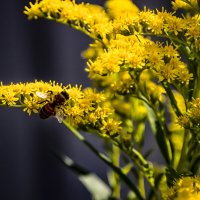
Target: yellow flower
111 128
118 8
192 117
184 121
34 11
156 25
88 18
175 25
193 31
168 50
31 105
154 22
126 53
169 71
75 92
83 108
155 56
126 24
177 4
9 98
194 111
121 83
154 92
114 52
185 188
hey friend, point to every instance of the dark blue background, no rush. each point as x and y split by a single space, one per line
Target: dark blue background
41 50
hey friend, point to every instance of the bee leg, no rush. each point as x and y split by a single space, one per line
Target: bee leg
43 101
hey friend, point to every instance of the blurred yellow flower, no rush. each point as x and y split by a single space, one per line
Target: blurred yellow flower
118 8
189 4
185 188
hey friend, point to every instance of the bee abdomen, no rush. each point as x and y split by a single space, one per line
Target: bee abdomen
47 111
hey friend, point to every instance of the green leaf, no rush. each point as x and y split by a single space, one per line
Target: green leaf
163 142
96 186
98 189
159 131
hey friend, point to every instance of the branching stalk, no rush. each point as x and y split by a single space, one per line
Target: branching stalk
196 93
106 160
116 186
183 151
172 98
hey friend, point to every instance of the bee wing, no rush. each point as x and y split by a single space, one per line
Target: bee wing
59 115
41 95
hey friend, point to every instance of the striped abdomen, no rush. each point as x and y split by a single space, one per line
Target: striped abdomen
47 110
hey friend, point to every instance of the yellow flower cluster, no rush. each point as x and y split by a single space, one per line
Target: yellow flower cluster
185 4
85 17
133 109
165 24
186 188
117 31
192 117
153 92
128 53
82 108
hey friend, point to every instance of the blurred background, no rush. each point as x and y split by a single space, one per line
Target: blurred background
42 50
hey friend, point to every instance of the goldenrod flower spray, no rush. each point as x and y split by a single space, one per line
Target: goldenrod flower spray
138 81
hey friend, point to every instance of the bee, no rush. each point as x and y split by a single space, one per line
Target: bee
52 108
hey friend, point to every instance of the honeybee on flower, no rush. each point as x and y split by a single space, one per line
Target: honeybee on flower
53 107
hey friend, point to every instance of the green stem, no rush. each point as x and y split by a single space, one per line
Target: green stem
160 131
196 93
141 183
15 106
106 160
172 98
115 159
183 151
83 30
164 36
77 27
140 133
137 158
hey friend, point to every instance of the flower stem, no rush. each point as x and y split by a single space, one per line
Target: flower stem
106 160
183 151
145 167
116 186
172 98
197 83
15 106
141 183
